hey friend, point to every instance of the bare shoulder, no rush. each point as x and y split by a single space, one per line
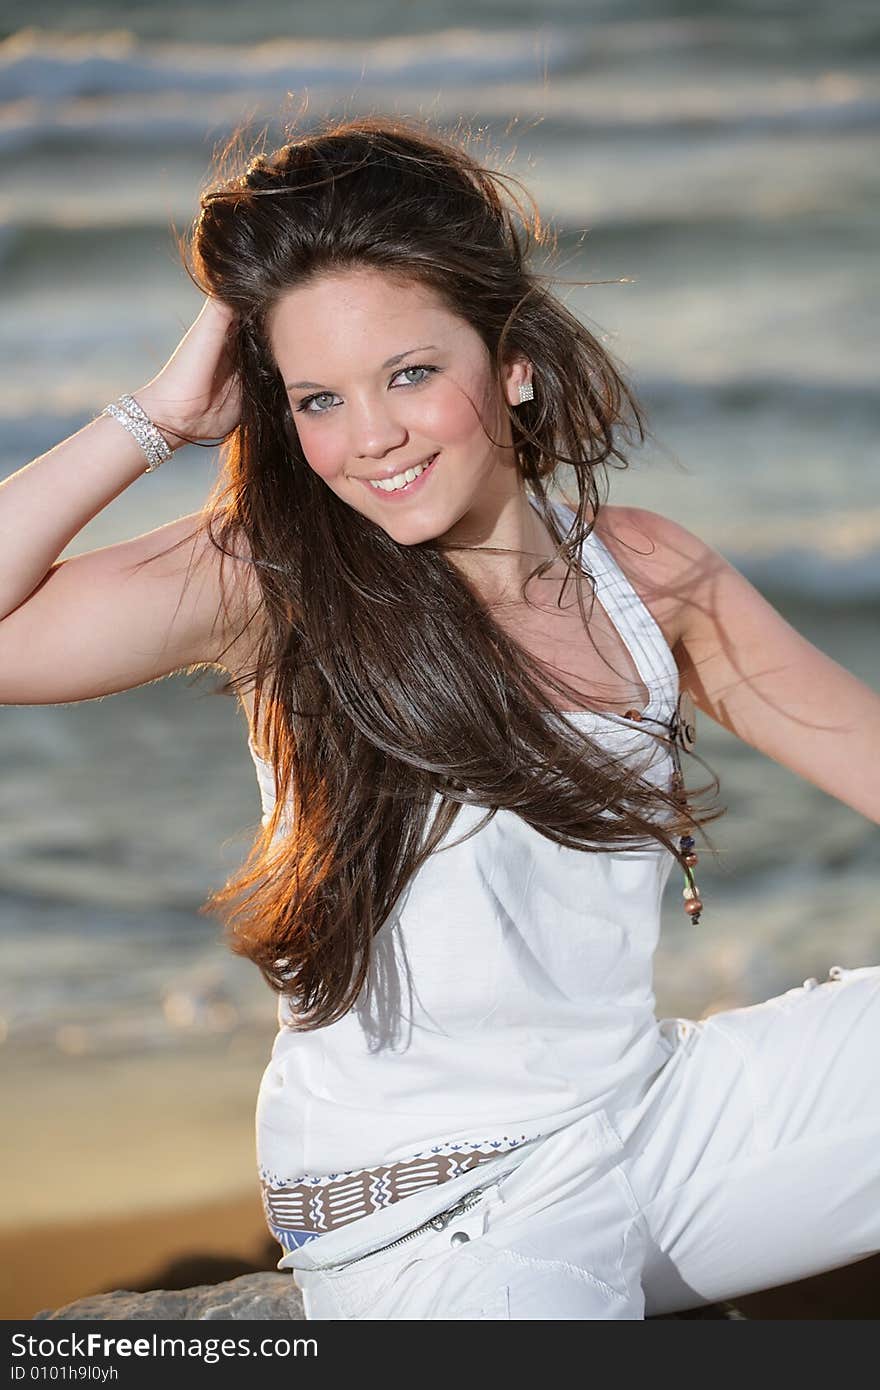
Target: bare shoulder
749 669
664 562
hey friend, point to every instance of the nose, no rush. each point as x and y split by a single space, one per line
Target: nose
374 430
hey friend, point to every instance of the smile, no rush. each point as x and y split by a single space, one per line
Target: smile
402 484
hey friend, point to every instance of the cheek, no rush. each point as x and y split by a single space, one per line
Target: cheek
451 417
321 454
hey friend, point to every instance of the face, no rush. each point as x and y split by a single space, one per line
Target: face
382 378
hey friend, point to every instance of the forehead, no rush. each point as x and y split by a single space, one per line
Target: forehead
367 296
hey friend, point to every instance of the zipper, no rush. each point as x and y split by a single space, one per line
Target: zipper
436 1223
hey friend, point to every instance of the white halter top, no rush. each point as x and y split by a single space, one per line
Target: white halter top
511 991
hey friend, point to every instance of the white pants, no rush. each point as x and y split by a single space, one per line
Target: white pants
751 1160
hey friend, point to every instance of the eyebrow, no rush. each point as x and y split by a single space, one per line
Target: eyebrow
392 362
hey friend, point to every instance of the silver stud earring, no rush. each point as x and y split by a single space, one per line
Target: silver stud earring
526 391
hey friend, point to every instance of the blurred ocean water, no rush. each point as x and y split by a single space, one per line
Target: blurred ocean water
713 169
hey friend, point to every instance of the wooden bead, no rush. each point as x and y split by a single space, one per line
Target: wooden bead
691 860
693 907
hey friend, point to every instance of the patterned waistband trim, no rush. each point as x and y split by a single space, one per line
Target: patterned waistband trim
297 1212
491 1145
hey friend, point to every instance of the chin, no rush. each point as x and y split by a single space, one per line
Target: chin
413 530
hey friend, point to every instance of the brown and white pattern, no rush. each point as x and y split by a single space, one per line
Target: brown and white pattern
300 1211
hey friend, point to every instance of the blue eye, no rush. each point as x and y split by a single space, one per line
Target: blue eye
306 402
416 369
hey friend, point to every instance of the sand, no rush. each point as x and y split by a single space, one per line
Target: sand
115 1167
47 1266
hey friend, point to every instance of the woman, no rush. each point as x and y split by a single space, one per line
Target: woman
467 705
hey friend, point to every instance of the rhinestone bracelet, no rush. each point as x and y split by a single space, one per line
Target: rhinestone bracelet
156 448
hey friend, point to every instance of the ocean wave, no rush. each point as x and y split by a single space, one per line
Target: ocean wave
738 393
39 63
40 125
37 245
820 562
606 79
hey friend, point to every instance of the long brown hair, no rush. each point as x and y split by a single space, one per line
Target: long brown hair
386 692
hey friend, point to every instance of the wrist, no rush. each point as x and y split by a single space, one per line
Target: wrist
131 415
162 416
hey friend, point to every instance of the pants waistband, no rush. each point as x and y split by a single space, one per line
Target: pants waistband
379 1228
316 1208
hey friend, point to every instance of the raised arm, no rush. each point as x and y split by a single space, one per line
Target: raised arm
101 622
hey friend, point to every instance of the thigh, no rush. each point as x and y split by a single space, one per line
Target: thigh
754 1162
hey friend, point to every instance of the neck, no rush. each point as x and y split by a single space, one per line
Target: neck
504 544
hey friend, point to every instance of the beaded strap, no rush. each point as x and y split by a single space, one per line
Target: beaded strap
682 734
129 414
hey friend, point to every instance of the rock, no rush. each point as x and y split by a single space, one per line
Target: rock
267 1296
263 1297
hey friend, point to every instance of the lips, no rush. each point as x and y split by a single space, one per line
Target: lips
400 493
384 477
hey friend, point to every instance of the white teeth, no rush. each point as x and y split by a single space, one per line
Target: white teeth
400 479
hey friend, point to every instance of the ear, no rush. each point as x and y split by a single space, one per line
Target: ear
515 374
